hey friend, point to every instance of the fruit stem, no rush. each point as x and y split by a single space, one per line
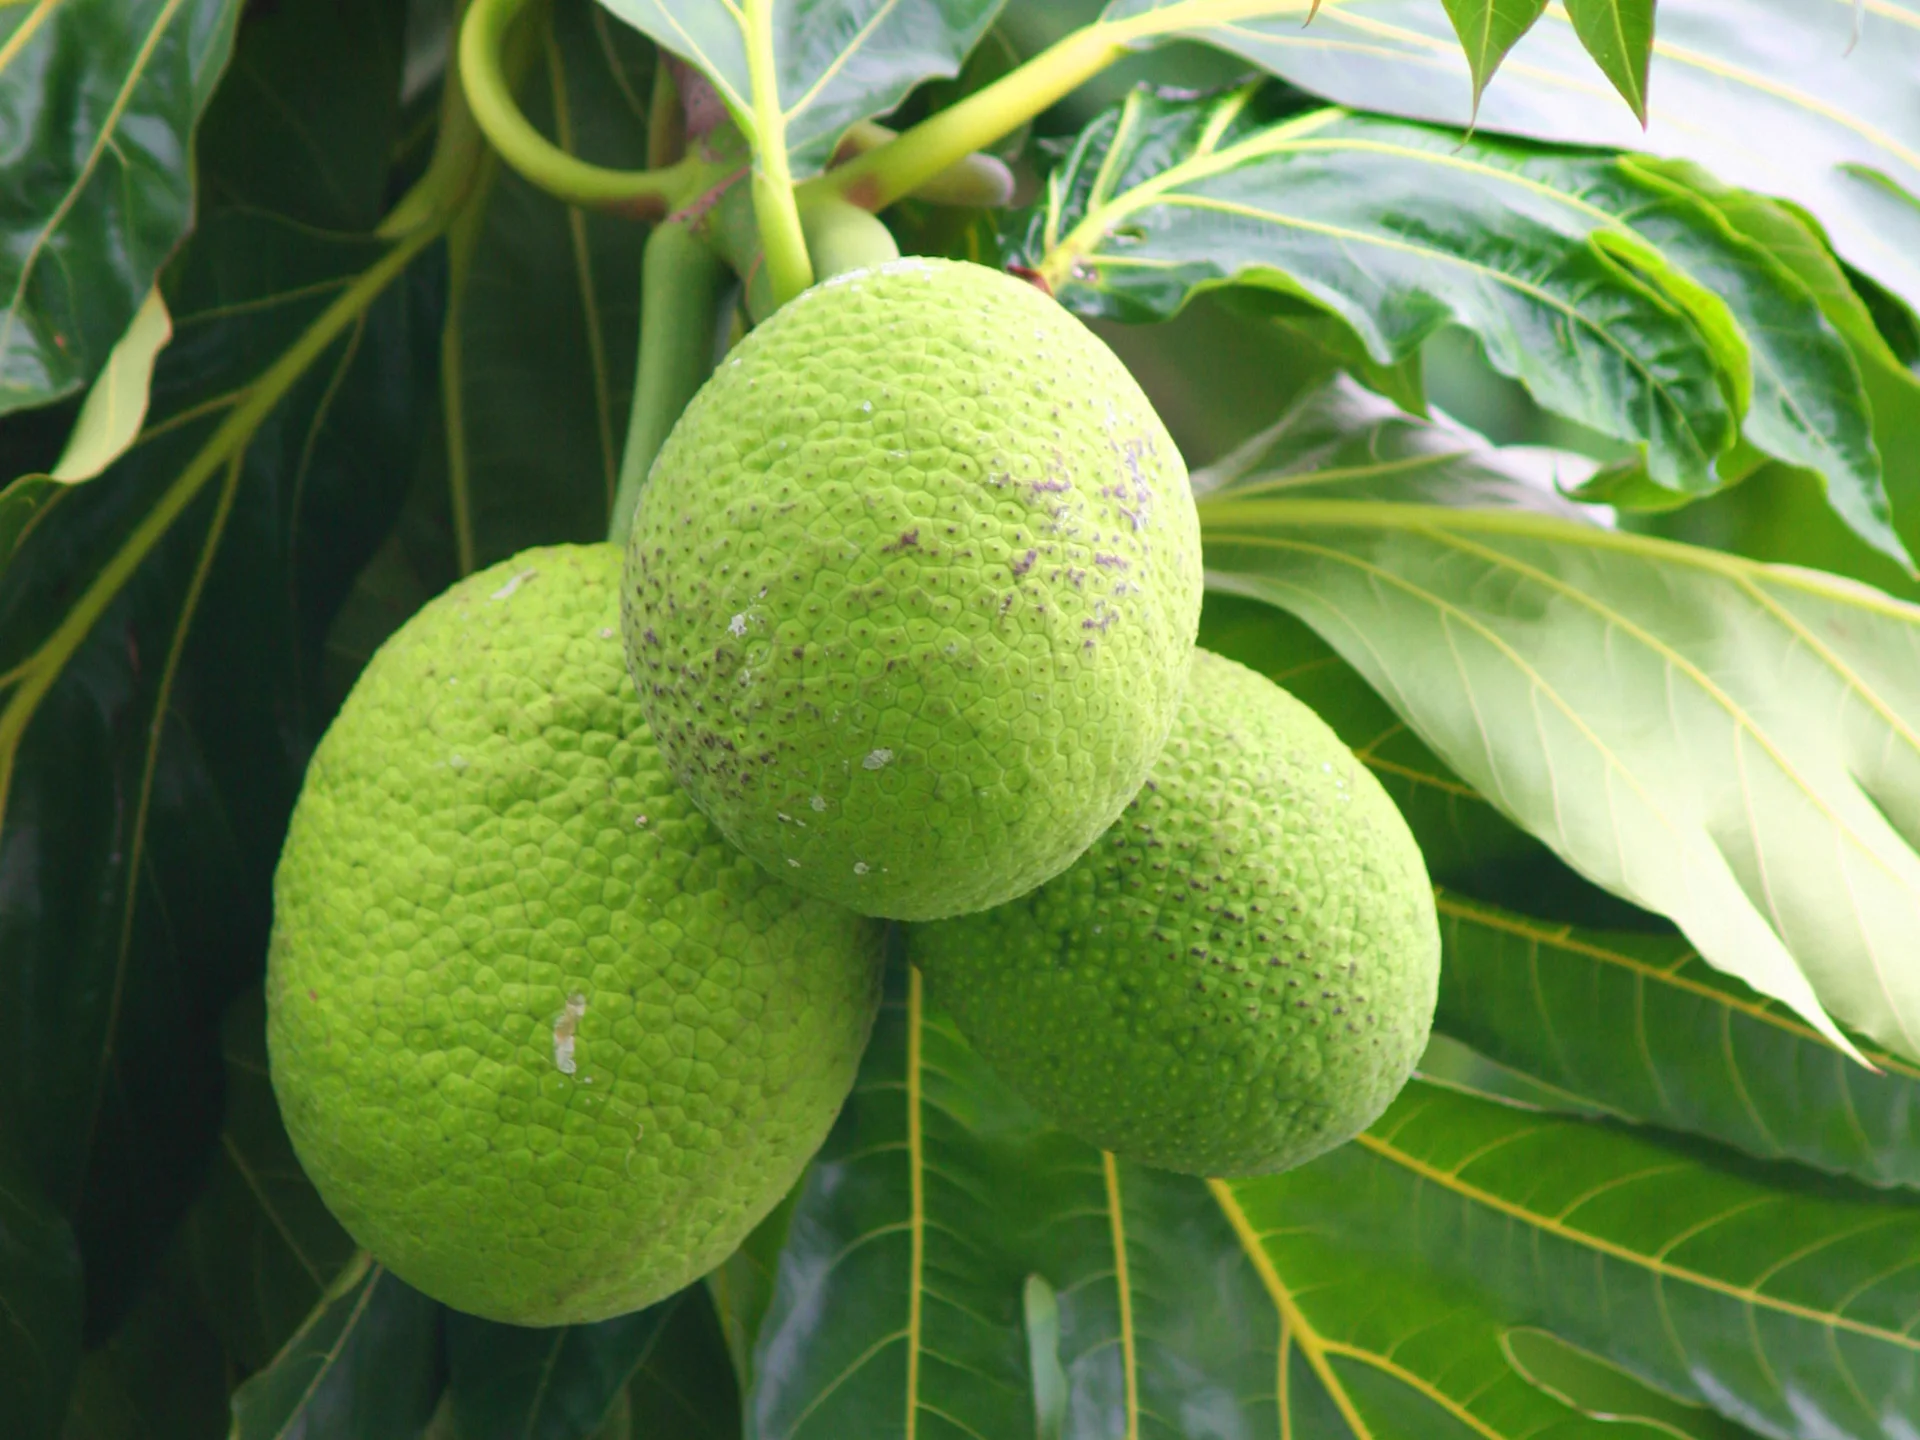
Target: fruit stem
643 194
902 165
789 269
680 284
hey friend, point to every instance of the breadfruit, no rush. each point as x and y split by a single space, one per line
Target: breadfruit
548 1046
1239 975
912 590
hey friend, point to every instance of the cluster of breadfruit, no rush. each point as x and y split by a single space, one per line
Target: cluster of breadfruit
578 927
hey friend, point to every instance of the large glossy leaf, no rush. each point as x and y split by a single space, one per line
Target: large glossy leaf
1741 757
40 1306
162 628
259 1243
364 1366
1619 296
957 1268
1785 1303
1641 1025
1892 389
1772 95
98 102
797 73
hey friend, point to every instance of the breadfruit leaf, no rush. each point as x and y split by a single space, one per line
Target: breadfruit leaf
1617 294
1727 743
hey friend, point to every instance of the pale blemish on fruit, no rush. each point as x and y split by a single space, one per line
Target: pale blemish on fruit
565 1028
506 591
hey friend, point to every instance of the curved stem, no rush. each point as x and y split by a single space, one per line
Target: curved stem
895 169
680 283
641 193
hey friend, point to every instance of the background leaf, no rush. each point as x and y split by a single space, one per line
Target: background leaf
833 63
40 1305
1779 845
1841 137
161 1376
364 1366
508 1382
259 1243
1786 1305
543 322
98 99
155 730
1617 295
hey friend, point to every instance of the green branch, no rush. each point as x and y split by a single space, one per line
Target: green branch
645 194
680 284
789 270
904 164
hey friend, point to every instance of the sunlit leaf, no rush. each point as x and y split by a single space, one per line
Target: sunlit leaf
1772 95
1617 295
1740 758
365 1365
795 74
98 103
116 406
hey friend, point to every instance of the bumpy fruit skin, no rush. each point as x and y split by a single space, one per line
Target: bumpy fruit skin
912 590
1238 976
546 1043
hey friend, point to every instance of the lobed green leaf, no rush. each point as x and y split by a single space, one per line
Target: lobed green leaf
1741 761
1775 96
1617 294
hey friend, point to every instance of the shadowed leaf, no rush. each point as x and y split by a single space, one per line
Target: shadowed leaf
1641 1025
365 1365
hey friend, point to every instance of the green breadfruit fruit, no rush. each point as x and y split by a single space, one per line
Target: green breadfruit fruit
912 590
1238 976
546 1043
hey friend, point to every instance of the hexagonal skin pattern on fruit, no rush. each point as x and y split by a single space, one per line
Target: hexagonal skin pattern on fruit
546 1043
1238 976
912 590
